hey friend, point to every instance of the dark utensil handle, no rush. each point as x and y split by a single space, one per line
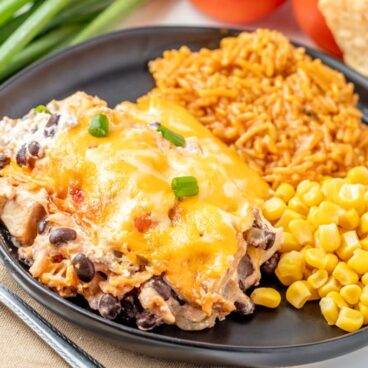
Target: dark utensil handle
70 352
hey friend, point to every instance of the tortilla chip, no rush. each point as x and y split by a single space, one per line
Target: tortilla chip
348 22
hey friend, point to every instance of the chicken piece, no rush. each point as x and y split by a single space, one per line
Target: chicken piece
22 213
7 192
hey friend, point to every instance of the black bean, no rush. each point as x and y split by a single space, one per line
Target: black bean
34 149
161 287
128 309
21 156
270 240
102 275
41 226
109 306
147 320
257 237
269 266
83 267
245 267
244 309
51 125
62 235
4 160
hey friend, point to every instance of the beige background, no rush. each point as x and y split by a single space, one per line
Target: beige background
21 348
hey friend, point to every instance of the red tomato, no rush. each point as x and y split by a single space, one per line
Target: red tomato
313 23
237 11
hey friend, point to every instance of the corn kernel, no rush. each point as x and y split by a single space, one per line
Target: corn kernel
352 196
316 258
302 231
349 219
358 175
364 295
349 319
274 208
312 216
304 186
330 188
329 310
298 294
359 261
289 243
344 274
328 237
313 197
363 226
351 293
297 205
285 192
318 279
290 267
364 243
325 255
267 297
286 217
364 279
332 261
350 243
328 213
314 294
364 310
305 248
338 299
331 285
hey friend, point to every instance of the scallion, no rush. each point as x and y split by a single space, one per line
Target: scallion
99 126
42 108
107 20
38 48
9 7
29 30
185 186
171 136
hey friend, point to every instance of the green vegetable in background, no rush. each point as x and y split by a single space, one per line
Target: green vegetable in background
8 7
29 29
32 29
106 20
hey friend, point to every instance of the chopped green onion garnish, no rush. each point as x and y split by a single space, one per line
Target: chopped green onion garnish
99 126
42 108
185 186
172 137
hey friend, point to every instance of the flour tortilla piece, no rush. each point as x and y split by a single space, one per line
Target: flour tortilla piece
348 22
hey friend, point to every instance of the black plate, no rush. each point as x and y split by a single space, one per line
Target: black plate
114 67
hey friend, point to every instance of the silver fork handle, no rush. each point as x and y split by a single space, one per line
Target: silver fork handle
70 352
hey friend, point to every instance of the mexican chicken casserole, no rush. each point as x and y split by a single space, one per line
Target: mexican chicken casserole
139 209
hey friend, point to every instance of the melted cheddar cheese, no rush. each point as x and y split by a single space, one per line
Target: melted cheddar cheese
119 190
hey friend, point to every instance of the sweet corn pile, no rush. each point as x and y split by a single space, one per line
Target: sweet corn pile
324 255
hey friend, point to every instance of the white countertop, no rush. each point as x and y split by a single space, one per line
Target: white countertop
181 12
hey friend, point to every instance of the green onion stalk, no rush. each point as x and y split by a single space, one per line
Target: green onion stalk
29 30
